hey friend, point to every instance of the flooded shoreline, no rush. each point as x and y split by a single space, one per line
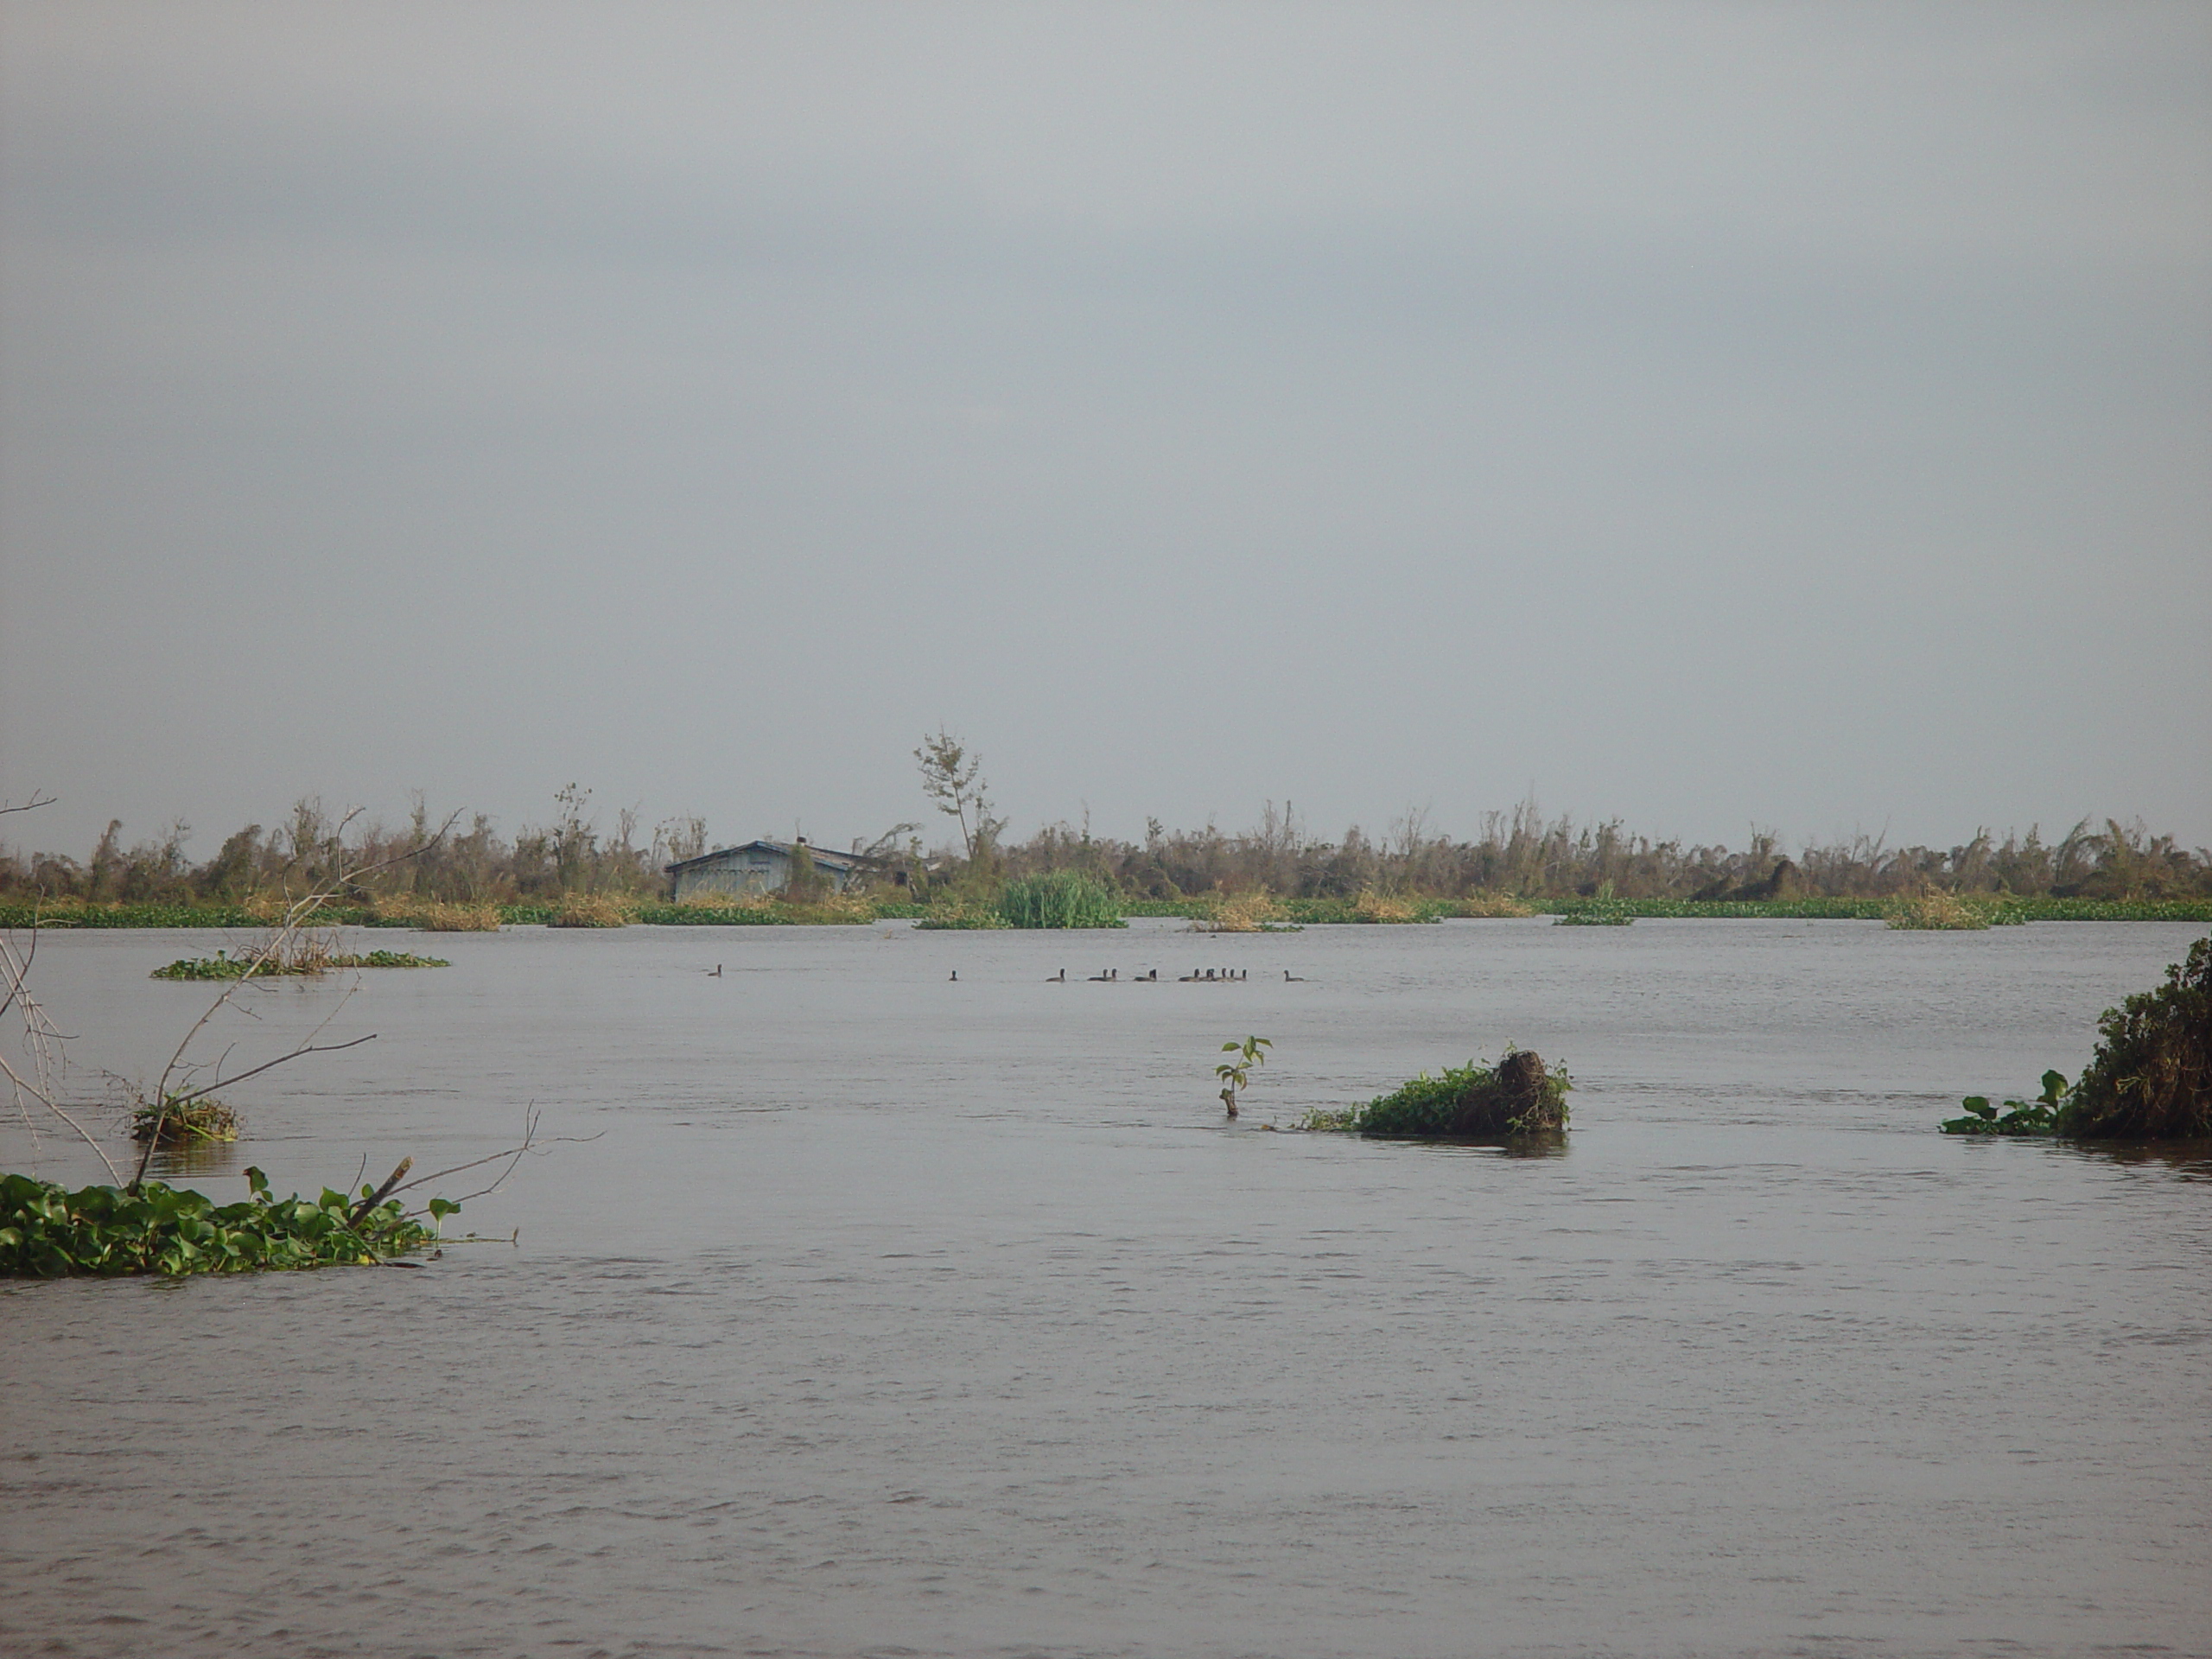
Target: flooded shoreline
895 1314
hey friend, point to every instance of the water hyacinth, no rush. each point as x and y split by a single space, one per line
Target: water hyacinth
47 1232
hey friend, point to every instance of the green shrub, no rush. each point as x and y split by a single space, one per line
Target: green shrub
1060 898
2150 1078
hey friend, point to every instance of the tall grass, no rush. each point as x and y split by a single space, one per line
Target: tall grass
433 915
1060 899
589 909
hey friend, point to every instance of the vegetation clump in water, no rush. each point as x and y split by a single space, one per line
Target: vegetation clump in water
1605 910
184 1121
47 1232
1515 1098
222 965
2150 1078
433 916
1935 910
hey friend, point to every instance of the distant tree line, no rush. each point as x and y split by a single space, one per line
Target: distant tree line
459 862
1518 852
1521 852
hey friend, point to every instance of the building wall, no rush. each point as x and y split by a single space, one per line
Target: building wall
746 870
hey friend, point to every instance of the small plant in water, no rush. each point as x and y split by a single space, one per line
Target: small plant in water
1236 1075
2037 1117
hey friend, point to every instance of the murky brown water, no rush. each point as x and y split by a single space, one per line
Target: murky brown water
891 1315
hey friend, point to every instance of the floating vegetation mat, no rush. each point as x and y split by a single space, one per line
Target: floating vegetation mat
48 1232
222 965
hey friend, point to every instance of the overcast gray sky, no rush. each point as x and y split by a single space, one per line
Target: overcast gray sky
1699 414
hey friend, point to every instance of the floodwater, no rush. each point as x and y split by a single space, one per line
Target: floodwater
886 1313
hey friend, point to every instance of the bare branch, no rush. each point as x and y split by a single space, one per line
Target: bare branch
191 1095
513 1155
380 1194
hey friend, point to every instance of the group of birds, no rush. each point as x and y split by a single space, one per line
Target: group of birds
1195 976
1113 976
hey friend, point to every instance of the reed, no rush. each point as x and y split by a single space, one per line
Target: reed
1060 898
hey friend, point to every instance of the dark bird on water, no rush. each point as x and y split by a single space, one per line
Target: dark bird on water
1290 978
714 972
955 976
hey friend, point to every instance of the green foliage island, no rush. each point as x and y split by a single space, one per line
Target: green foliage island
2150 1080
1518 1099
